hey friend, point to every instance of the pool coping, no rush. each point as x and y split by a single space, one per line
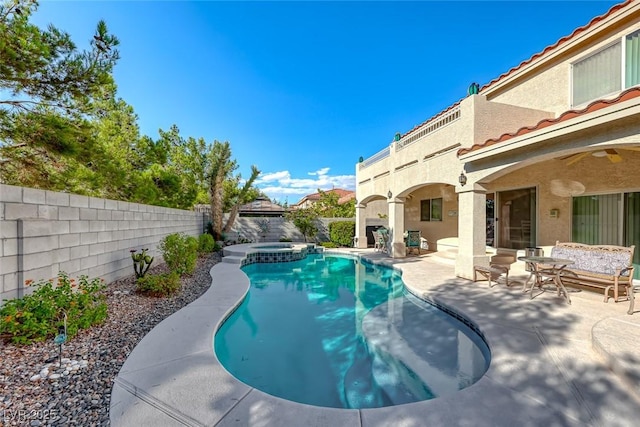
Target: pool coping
183 383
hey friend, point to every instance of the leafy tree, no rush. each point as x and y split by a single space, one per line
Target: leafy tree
238 195
46 86
221 166
305 221
224 188
328 206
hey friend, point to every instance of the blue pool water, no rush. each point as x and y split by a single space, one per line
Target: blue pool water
338 332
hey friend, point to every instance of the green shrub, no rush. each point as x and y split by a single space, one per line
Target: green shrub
180 252
37 316
328 244
206 243
342 232
285 239
159 285
305 221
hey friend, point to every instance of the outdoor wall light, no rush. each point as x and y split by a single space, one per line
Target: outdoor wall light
389 194
462 179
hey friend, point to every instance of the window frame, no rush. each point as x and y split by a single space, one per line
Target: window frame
591 55
621 40
430 208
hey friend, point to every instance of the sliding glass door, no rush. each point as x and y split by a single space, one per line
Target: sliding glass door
608 219
632 227
516 218
597 220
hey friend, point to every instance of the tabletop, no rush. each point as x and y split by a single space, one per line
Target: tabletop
545 260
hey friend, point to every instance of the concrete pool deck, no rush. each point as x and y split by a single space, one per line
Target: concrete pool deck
551 362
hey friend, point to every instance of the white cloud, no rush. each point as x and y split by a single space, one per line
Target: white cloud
274 176
322 171
281 186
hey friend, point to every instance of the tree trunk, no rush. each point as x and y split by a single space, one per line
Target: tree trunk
217 194
241 198
232 218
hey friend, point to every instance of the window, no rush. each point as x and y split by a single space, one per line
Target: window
597 75
608 219
632 60
604 72
431 210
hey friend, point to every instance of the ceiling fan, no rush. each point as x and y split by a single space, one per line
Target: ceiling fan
613 154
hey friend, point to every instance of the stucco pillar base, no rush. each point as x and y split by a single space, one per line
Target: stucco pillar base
361 227
464 264
396 224
472 231
398 250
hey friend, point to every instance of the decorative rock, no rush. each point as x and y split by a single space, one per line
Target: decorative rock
35 377
82 396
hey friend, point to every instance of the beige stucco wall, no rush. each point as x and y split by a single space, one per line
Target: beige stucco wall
545 84
492 119
413 166
554 178
433 230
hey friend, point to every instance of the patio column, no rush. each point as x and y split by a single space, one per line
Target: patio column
361 227
472 224
397 248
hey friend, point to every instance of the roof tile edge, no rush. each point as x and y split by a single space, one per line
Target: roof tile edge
631 93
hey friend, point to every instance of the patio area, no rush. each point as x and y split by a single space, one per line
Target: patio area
551 362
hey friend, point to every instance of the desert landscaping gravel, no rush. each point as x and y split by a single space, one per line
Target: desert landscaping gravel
36 391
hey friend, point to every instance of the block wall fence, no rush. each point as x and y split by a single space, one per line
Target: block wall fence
44 232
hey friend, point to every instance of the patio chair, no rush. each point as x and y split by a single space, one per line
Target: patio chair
380 240
492 273
499 266
413 240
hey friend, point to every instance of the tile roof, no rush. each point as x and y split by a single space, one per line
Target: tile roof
339 191
567 115
562 40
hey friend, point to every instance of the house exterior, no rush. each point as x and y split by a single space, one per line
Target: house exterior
547 151
307 201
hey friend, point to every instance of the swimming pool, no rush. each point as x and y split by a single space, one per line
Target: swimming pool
337 331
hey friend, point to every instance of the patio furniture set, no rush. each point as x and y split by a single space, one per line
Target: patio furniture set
412 239
606 267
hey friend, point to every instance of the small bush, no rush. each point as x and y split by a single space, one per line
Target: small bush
285 239
206 243
329 244
159 285
37 316
342 232
180 252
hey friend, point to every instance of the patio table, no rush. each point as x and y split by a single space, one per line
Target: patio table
539 274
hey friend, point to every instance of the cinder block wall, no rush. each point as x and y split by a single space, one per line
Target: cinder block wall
249 228
44 232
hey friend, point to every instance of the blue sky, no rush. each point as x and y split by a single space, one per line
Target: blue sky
303 89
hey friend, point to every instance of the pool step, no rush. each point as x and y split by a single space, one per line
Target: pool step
230 252
447 256
232 259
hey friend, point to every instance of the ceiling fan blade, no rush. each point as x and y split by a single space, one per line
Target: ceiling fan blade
613 155
575 158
